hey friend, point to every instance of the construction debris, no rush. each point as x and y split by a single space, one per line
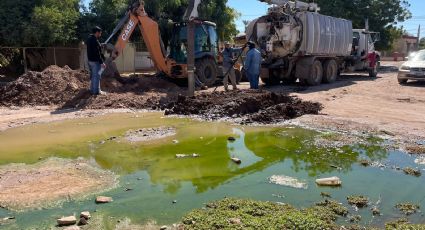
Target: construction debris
288 181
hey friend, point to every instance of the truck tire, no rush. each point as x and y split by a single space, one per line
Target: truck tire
206 70
330 71
316 74
273 79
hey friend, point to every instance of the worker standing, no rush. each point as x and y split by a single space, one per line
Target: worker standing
253 65
96 60
228 62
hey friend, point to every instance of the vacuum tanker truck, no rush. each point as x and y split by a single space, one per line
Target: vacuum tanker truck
298 43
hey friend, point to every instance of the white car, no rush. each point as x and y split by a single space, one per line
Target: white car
414 69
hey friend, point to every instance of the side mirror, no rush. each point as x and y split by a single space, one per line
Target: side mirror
376 37
355 42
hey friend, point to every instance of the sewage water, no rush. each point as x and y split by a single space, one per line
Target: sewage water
157 177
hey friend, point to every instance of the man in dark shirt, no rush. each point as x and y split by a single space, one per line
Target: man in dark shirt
96 60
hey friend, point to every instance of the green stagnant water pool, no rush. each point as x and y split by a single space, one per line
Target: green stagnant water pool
158 178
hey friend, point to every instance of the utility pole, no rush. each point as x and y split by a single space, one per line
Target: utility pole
191 58
419 37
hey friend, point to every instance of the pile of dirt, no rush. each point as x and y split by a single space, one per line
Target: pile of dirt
67 88
249 106
53 86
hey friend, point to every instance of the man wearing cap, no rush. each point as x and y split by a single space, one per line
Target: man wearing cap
96 60
228 62
253 65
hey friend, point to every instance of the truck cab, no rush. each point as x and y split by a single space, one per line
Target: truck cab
363 44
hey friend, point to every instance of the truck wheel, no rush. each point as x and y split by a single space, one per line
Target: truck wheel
316 74
373 72
273 79
206 70
330 71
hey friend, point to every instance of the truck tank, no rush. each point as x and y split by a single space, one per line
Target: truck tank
283 32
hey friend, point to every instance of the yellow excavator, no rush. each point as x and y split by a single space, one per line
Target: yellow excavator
174 63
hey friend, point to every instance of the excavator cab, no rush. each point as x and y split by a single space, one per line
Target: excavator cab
206 50
206 41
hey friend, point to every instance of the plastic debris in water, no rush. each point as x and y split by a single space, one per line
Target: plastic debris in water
420 161
288 181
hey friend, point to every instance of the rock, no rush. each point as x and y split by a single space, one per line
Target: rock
103 199
9 218
164 227
85 214
194 155
231 139
72 228
83 221
376 211
174 201
236 160
69 220
235 221
128 189
331 181
181 155
175 141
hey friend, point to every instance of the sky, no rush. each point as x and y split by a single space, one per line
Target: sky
251 9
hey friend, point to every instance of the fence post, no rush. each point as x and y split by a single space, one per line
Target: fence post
54 54
25 60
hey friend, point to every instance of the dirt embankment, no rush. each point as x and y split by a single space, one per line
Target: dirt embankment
66 88
54 180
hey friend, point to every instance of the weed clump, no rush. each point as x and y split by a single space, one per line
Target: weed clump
334 206
358 201
416 149
407 208
365 162
255 215
412 171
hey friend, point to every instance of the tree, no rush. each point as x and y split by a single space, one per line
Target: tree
53 23
422 43
383 15
38 22
14 17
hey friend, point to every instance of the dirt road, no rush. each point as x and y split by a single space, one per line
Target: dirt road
354 103
380 104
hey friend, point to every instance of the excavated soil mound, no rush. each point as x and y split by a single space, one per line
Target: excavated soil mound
67 88
249 106
53 86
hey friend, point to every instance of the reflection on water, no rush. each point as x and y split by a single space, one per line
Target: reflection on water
193 181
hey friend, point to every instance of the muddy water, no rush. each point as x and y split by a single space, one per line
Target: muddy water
157 178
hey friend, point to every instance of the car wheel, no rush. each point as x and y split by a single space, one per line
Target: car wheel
402 81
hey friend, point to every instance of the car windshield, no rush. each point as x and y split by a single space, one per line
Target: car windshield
420 56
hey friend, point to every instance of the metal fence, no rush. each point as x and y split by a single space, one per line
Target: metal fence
15 61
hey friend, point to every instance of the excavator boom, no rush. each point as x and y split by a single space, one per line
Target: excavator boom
135 16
